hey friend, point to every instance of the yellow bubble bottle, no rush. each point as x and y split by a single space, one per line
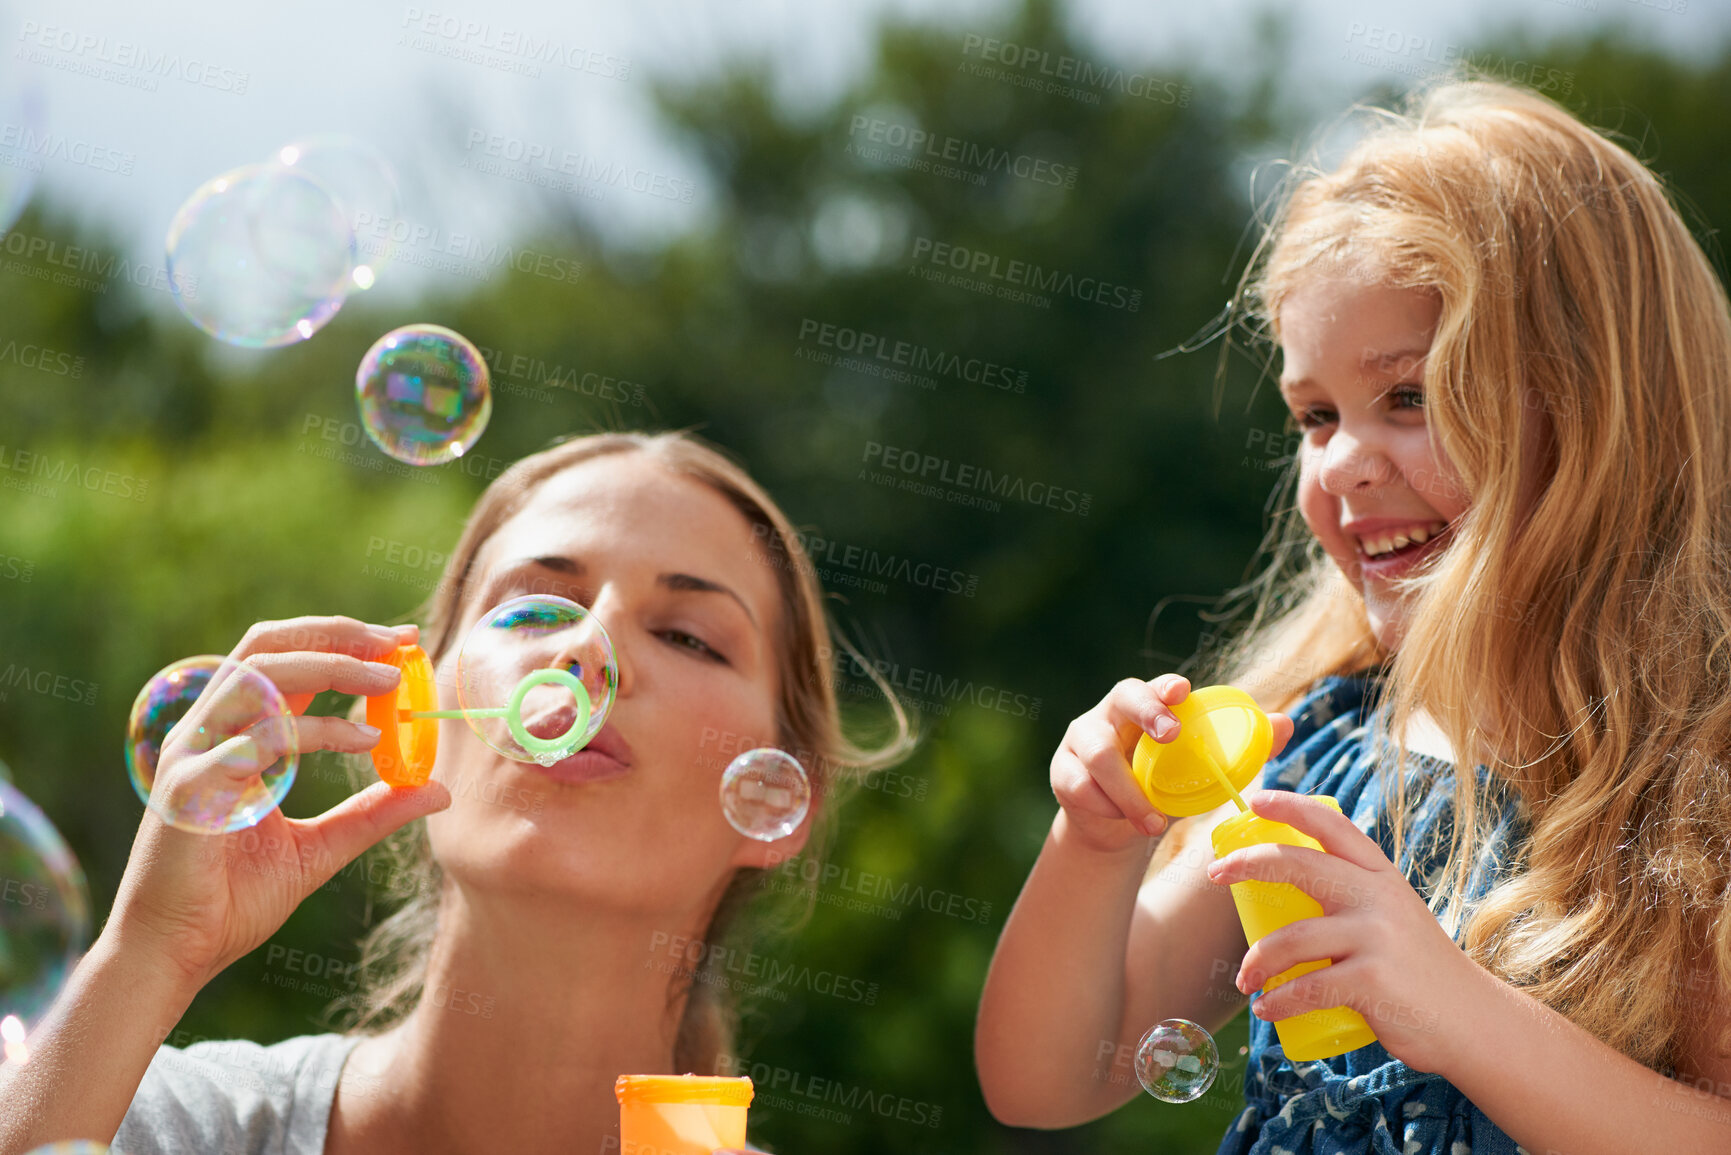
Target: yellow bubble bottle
681 1114
1223 740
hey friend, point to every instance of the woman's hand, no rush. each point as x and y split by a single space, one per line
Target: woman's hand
1091 773
196 902
1392 961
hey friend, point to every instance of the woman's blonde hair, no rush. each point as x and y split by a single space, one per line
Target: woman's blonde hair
394 953
1575 639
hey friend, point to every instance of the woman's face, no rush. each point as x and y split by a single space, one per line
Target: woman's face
1371 487
670 568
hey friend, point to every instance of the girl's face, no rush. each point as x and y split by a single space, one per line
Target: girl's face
671 570
1371 486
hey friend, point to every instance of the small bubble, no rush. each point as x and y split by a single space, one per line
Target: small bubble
1176 1061
765 794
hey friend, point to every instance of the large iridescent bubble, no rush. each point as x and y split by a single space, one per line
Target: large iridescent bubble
44 917
222 739
536 678
424 394
364 187
261 256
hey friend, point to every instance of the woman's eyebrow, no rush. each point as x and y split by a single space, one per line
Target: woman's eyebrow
685 582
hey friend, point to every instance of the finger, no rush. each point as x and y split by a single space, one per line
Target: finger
338 734
339 635
1087 797
1282 733
1096 746
1135 708
345 830
1322 989
1307 940
1337 833
314 672
1332 882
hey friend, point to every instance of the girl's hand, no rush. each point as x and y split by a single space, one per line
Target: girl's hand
1392 961
1091 773
196 902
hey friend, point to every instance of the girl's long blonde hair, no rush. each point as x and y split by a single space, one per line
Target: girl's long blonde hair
1575 639
394 953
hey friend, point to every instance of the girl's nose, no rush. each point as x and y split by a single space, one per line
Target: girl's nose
1352 465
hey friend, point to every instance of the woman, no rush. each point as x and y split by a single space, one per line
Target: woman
548 919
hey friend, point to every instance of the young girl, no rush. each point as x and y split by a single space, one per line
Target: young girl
1511 366
544 952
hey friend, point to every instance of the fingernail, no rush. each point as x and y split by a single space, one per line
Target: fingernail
1153 825
371 732
382 671
1164 728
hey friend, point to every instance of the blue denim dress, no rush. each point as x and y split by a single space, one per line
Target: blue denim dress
1367 1102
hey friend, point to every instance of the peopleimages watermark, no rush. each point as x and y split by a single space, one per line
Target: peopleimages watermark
41 473
563 170
881 355
16 569
927 474
47 684
1013 280
1060 75
502 47
868 893
104 59
841 563
1417 55
532 377
748 972
927 688
785 1089
40 146
46 259
458 254
909 146
28 355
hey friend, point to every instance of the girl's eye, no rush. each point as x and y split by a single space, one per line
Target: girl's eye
692 642
1311 418
1407 397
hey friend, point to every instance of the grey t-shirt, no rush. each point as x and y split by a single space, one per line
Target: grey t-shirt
237 1098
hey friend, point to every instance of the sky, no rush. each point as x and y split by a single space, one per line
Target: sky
141 104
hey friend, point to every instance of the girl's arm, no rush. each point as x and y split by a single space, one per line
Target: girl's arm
1092 955
1554 1087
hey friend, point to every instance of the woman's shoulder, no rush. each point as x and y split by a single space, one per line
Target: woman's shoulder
237 1096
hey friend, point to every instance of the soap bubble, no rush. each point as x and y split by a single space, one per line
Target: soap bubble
260 256
229 735
765 794
364 187
44 917
518 672
75 1147
424 395
1176 1061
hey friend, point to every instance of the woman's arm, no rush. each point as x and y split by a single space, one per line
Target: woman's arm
87 1059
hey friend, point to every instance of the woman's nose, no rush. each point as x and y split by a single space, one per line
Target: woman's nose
608 611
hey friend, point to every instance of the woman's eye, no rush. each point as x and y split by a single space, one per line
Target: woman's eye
692 642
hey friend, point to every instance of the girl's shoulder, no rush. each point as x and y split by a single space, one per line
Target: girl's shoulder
237 1096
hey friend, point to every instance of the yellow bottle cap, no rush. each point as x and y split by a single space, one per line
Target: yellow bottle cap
1220 726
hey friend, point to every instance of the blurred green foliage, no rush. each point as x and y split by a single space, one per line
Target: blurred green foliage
244 514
